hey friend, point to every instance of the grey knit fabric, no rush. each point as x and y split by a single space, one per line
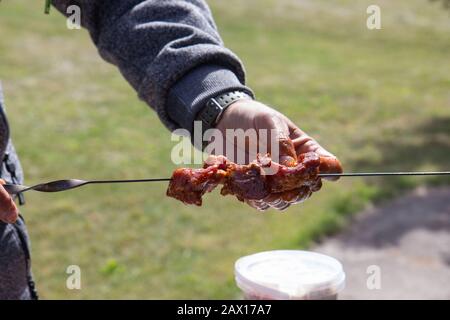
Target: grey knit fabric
156 43
170 52
16 280
190 94
4 127
15 272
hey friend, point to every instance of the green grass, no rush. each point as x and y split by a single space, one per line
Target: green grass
380 100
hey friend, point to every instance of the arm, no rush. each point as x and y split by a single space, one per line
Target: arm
169 51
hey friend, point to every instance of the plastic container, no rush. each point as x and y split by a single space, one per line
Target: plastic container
289 275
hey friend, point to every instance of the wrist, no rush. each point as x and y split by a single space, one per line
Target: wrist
216 106
189 96
213 111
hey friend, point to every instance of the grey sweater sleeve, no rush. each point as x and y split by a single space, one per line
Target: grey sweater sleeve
169 50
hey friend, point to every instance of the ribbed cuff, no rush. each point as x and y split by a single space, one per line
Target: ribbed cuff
190 94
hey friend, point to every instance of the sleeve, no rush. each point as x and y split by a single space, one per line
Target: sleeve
169 50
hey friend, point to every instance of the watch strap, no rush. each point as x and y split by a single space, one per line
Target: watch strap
214 108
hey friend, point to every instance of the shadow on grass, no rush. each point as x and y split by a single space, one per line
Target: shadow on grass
423 146
386 226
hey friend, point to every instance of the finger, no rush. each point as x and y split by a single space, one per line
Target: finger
303 143
289 196
330 165
281 205
284 207
303 194
275 201
328 162
8 209
306 144
280 135
316 185
257 204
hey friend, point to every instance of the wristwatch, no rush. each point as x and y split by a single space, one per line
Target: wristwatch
211 114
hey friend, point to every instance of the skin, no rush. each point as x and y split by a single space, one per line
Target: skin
243 114
8 210
246 114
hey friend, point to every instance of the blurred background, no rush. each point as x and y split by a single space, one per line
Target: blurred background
378 99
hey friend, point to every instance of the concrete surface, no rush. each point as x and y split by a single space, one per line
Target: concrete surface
408 239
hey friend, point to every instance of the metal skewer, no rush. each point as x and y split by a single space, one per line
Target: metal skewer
384 174
63 185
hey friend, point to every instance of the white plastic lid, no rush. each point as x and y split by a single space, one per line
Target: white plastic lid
289 274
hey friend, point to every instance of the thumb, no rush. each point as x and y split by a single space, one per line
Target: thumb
283 144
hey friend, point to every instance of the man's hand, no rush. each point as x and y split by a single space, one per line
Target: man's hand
249 114
8 209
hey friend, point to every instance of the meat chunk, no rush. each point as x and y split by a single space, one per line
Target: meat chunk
246 182
189 185
259 180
